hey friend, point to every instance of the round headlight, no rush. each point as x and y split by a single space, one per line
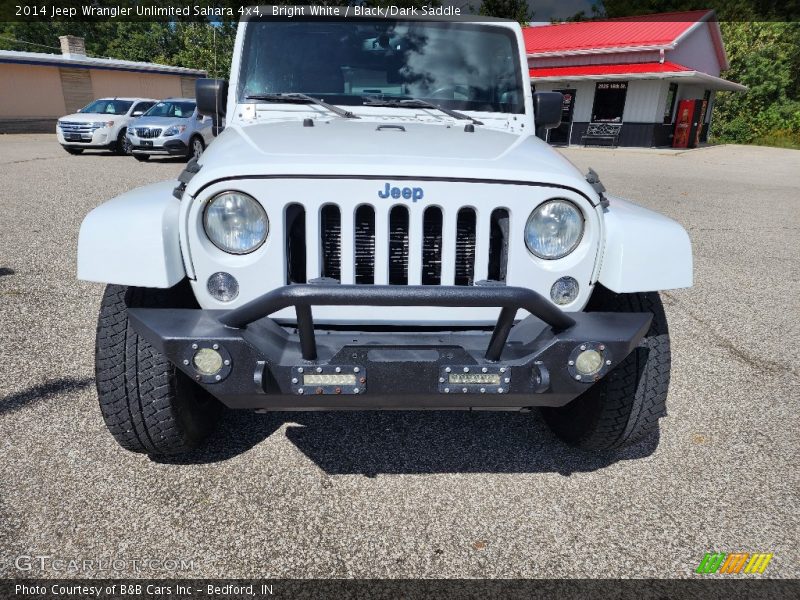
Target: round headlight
554 229
235 222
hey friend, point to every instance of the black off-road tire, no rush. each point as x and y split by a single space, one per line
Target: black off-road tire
148 405
141 157
624 406
74 151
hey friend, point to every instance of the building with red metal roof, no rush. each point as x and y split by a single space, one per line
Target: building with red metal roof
633 81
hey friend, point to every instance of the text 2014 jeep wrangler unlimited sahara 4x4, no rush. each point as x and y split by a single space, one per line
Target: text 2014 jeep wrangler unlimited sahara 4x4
378 227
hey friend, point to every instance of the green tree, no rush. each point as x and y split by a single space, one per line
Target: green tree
766 58
507 9
206 46
144 41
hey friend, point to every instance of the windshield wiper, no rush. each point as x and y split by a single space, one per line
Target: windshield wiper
417 103
302 99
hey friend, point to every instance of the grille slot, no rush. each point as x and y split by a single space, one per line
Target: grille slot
498 245
398 246
330 227
432 246
365 245
147 132
295 244
465 246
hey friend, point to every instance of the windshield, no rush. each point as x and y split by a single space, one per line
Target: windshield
108 107
179 110
464 66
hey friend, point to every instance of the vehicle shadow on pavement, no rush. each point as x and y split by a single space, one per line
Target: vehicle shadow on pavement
372 443
43 391
238 431
387 442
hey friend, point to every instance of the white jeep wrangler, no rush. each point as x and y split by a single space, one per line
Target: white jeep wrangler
379 227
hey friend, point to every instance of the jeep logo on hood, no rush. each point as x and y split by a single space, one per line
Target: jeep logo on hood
408 193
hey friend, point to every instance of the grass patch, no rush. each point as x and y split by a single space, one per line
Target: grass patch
779 139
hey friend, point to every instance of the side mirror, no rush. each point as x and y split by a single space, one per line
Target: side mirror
137 113
547 109
212 98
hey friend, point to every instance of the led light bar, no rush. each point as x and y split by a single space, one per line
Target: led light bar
474 379
329 379
333 379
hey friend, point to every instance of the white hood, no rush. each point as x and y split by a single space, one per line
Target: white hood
89 118
377 148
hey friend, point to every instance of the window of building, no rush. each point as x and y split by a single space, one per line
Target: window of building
669 106
609 101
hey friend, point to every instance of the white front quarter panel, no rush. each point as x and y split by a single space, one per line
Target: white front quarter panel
644 250
133 239
265 269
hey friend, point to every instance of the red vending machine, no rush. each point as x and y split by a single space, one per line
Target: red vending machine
689 123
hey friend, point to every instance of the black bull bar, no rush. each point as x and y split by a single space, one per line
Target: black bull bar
303 297
266 366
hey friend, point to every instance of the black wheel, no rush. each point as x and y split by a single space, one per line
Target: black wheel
196 147
626 404
148 405
123 146
141 157
74 151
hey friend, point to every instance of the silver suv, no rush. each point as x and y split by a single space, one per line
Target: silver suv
171 127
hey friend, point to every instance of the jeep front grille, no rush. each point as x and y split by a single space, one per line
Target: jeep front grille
413 247
147 132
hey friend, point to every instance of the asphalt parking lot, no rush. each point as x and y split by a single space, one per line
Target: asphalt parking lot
415 494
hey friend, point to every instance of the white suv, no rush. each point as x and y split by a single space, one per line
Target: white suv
379 227
101 125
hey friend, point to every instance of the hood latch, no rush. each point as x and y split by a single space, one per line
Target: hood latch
192 167
593 179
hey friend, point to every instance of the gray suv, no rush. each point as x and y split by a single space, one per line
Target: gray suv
171 127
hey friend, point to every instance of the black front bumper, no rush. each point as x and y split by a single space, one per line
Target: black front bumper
170 147
266 366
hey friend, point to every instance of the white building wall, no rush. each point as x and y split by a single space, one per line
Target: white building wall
642 101
697 51
690 91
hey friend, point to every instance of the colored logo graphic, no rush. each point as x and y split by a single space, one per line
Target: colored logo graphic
735 563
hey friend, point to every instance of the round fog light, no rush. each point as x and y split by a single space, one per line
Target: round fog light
589 362
223 286
207 361
564 290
